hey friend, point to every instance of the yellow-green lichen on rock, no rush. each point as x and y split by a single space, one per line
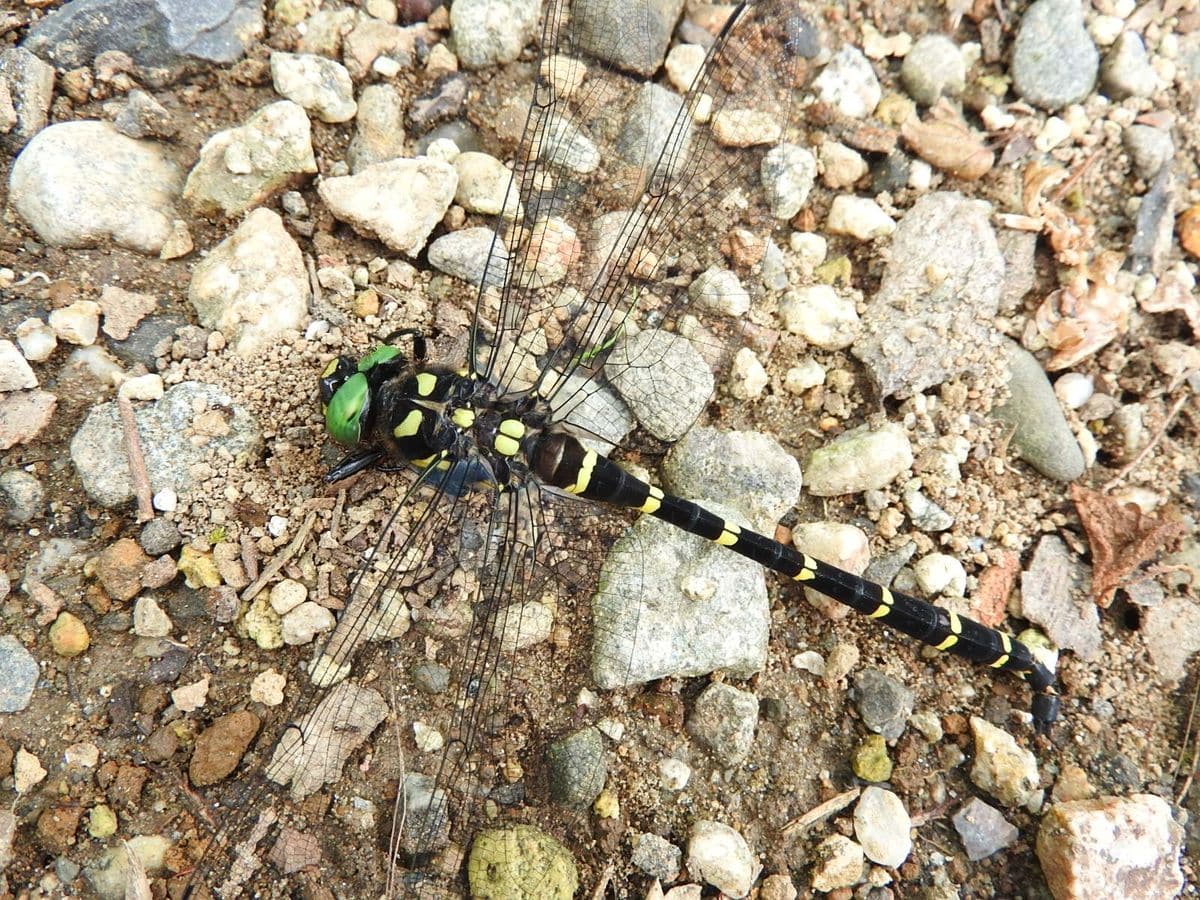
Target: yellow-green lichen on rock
520 863
262 624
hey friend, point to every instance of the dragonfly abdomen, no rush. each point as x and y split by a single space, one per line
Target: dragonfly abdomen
562 461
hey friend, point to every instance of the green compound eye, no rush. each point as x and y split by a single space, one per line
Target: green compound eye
343 417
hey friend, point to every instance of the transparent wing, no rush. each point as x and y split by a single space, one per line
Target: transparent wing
615 179
529 627
332 709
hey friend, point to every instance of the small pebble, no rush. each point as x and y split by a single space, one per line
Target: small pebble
839 864
267 688
1074 389
882 827
858 217
870 760
933 68
78 323
69 636
674 774
983 829
940 573
720 856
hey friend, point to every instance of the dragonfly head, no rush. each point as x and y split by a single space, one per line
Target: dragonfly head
346 387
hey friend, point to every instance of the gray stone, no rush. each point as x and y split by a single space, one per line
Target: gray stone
379 127
491 32
788 173
657 857
883 702
933 68
141 116
670 603
21 496
1054 61
578 769
159 536
322 86
1041 435
601 30
30 86
18 675
473 254
399 201
1149 148
916 334
253 286
745 469
648 126
81 183
1126 70
152 32
983 829
1056 595
663 378
723 721
241 167
98 447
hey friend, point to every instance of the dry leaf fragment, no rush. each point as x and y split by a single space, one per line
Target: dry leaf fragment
989 604
1081 317
1121 536
944 140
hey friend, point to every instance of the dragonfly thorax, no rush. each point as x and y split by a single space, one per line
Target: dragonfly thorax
390 412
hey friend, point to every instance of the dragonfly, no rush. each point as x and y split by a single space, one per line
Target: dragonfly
608 296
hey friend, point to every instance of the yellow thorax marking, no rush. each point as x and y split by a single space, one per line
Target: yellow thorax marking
464 418
514 428
409 425
885 604
428 460
584 475
426 382
653 501
330 366
955 631
506 446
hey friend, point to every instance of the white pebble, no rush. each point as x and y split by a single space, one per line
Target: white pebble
267 688
821 316
939 573
149 620
77 323
747 377
142 387
721 857
1053 133
859 217
920 175
277 526
36 339
674 773
801 378
1074 389
305 622
428 739
809 661
165 500
287 595
882 826
809 246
